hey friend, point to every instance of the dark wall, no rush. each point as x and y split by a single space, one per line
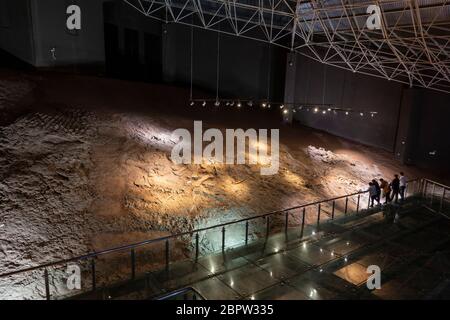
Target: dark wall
247 68
432 145
83 47
316 83
16 36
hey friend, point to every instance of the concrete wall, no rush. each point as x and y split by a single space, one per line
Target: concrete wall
432 143
243 64
317 83
83 47
16 35
411 123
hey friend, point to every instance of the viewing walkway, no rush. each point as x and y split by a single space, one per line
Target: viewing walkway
278 258
412 254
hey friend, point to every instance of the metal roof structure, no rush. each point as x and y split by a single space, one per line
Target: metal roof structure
411 43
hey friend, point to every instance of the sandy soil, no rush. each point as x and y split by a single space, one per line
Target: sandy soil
84 166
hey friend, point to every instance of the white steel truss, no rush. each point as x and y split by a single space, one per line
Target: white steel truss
411 46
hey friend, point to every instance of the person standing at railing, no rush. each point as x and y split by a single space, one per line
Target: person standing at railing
373 194
395 185
377 186
402 186
384 185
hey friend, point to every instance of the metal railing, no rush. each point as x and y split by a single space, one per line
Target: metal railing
297 216
436 195
184 294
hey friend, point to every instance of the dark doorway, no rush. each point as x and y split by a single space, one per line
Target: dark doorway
153 57
131 49
112 50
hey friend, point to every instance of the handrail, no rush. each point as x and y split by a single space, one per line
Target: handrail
161 239
180 291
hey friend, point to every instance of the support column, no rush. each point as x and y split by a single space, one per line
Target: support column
289 87
408 125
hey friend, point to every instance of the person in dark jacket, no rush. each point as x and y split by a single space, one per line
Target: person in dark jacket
395 186
377 187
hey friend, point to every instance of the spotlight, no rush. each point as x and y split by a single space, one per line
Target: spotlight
192 103
316 109
250 103
329 109
204 104
239 105
361 114
217 103
324 112
232 103
263 104
281 106
227 104
346 113
294 111
268 106
285 111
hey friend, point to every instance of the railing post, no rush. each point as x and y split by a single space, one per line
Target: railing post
346 205
267 226
332 210
318 214
94 283
303 222
357 203
47 285
246 232
196 246
133 264
223 239
442 199
424 188
368 202
286 222
167 254
432 194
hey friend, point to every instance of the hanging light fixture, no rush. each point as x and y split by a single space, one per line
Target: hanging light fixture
204 104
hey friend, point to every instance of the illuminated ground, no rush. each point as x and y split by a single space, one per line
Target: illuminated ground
84 165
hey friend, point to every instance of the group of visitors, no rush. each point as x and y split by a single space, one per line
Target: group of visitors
388 191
